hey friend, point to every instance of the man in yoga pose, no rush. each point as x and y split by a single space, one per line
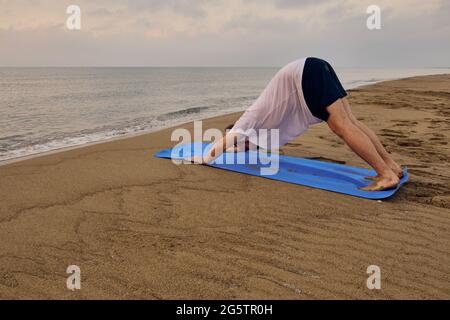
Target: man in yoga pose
304 93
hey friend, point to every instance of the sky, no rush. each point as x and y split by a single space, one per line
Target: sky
413 34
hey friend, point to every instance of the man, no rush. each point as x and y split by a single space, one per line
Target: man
304 93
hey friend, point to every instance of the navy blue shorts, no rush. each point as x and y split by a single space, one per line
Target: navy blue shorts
321 87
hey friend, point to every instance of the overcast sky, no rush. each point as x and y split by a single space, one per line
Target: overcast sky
414 33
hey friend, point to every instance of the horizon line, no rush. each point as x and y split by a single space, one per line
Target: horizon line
212 66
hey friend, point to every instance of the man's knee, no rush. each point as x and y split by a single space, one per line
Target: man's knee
337 126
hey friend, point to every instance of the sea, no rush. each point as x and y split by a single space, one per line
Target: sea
48 109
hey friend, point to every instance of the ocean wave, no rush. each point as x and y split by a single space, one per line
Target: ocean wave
181 113
61 140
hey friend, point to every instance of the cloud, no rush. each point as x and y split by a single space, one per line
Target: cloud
224 32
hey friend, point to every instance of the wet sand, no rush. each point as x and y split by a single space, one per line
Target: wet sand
143 228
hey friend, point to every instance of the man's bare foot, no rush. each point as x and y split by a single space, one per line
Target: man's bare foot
373 178
398 172
383 183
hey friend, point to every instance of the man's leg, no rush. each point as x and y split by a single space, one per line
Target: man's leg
375 140
340 123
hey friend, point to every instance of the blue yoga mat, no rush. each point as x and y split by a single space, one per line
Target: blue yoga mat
316 174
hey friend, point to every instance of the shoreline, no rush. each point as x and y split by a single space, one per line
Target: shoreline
124 137
181 124
140 227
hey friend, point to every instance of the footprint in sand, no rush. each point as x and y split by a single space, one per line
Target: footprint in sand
409 142
393 133
405 123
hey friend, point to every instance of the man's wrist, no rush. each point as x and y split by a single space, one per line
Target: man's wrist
207 159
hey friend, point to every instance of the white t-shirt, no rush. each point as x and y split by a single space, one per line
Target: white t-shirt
281 106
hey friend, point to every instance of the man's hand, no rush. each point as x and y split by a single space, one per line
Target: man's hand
195 160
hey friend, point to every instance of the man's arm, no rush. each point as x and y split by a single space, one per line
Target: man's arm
228 141
219 147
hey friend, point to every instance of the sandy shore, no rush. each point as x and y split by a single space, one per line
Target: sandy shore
141 227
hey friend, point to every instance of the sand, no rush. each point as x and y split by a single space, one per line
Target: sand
142 228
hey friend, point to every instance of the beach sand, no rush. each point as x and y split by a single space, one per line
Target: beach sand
142 228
